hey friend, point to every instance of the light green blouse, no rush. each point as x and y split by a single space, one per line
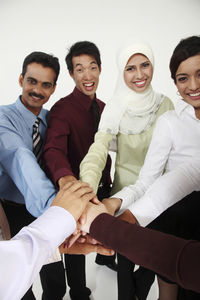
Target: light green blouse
131 152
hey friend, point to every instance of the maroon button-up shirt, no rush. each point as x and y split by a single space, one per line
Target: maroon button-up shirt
69 135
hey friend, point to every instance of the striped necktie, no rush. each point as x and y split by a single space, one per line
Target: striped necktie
37 141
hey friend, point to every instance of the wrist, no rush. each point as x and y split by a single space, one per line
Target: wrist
112 204
65 179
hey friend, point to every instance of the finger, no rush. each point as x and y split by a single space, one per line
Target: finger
67 185
81 240
84 190
104 251
83 218
88 197
77 231
95 200
72 240
75 185
91 240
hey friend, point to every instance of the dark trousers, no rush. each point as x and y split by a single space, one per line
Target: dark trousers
52 275
132 283
182 220
76 278
104 192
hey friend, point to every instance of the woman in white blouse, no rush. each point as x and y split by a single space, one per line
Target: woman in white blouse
175 142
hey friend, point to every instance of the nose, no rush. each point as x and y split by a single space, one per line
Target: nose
139 73
37 89
194 84
87 74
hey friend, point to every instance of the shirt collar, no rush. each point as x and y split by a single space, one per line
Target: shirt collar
83 99
28 116
181 106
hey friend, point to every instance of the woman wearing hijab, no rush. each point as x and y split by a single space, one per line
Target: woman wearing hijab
128 119
175 141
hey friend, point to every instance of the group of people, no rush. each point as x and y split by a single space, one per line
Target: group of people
156 181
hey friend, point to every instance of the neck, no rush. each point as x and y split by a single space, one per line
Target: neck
197 112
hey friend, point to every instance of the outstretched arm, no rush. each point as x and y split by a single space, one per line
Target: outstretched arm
166 191
22 257
147 248
94 162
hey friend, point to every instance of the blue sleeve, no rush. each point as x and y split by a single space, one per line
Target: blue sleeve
19 162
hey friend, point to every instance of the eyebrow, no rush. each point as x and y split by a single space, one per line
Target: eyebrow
146 61
92 62
181 74
32 78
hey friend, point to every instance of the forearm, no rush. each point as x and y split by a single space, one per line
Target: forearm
23 256
55 152
56 164
94 162
22 167
147 248
166 191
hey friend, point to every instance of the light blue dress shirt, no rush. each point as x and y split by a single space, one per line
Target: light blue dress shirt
21 178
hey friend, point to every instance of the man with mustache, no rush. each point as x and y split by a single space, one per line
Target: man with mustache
24 188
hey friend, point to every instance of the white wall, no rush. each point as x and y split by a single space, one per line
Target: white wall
53 25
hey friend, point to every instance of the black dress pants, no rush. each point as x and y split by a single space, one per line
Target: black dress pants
104 192
182 220
76 278
130 283
53 275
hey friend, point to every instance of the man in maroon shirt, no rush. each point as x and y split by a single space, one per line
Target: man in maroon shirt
72 125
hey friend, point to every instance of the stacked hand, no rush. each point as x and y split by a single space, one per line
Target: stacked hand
78 198
74 196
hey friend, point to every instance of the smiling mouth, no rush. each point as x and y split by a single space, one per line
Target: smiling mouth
89 86
140 83
194 94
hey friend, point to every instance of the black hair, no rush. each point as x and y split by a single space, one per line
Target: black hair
46 60
186 48
83 47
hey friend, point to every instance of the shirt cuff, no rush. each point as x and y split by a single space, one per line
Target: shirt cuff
55 257
126 201
144 211
55 225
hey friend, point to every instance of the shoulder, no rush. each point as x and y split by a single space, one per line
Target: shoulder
167 102
168 117
63 103
164 106
6 108
101 104
7 111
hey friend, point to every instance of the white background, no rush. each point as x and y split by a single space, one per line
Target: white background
52 27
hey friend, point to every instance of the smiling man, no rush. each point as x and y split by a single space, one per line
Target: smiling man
25 190
72 126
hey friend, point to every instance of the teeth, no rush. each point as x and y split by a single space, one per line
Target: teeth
140 82
194 95
88 84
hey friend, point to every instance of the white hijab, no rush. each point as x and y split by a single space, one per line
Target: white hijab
129 112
